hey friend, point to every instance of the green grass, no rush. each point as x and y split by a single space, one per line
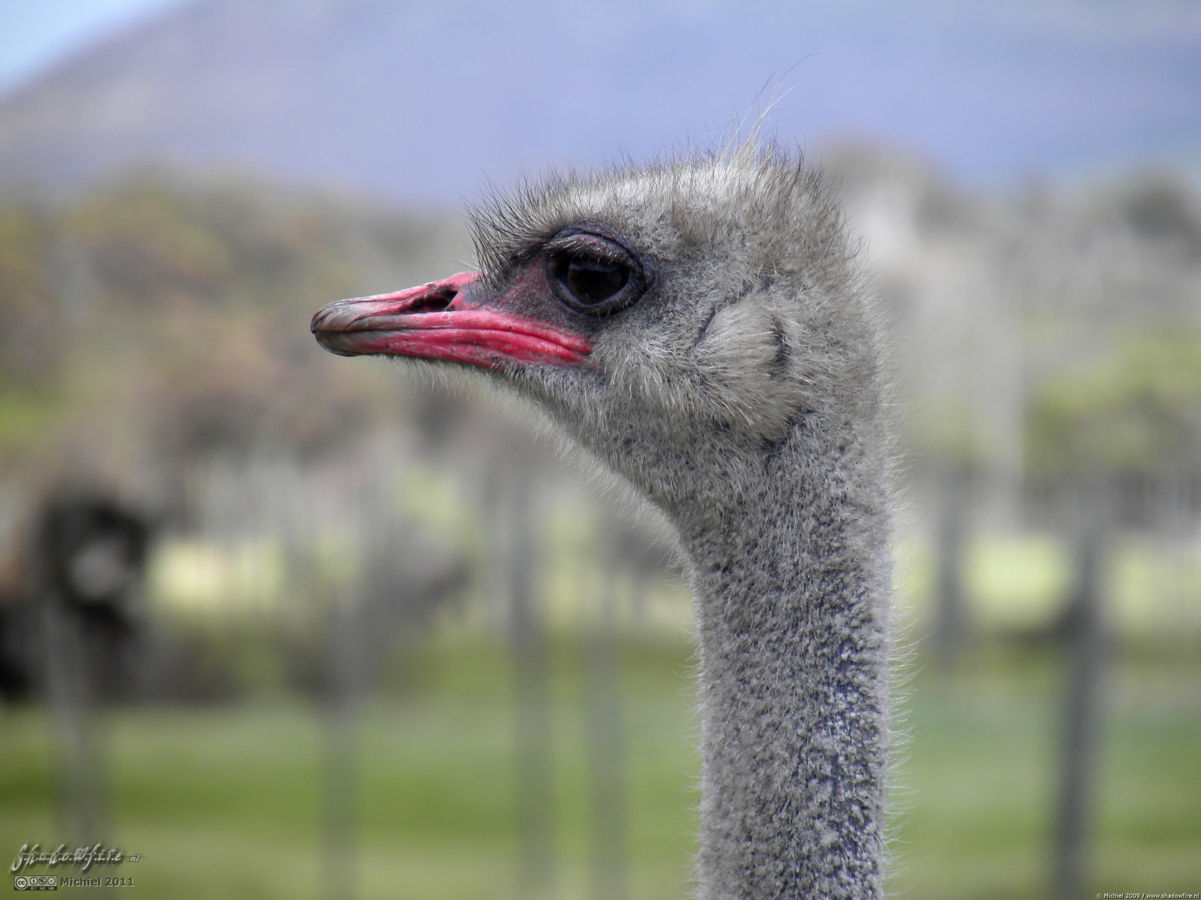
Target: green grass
227 802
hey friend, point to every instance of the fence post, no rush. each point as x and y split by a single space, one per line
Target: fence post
950 625
514 527
604 728
1085 646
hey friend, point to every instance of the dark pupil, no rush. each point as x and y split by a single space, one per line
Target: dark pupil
593 281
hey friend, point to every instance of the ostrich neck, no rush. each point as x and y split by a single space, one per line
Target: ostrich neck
792 589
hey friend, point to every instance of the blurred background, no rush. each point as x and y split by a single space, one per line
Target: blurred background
287 625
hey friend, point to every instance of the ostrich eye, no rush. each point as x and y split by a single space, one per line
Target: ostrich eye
591 281
592 274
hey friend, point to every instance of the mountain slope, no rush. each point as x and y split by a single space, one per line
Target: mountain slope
420 101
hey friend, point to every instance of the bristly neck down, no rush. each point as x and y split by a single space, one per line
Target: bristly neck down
792 586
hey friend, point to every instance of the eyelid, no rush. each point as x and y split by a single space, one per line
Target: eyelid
591 244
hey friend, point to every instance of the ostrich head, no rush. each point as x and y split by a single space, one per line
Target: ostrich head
699 328
678 321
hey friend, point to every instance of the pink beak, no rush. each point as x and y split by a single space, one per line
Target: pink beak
436 321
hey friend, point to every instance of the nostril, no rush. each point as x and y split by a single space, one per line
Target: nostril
434 301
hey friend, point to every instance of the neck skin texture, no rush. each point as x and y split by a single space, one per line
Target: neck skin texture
792 586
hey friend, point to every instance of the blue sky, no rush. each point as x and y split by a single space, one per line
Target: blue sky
36 33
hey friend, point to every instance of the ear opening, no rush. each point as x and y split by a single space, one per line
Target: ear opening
748 367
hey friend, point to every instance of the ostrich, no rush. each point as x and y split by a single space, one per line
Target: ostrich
699 326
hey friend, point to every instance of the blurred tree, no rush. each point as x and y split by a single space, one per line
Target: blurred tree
1132 413
1160 208
29 351
157 319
